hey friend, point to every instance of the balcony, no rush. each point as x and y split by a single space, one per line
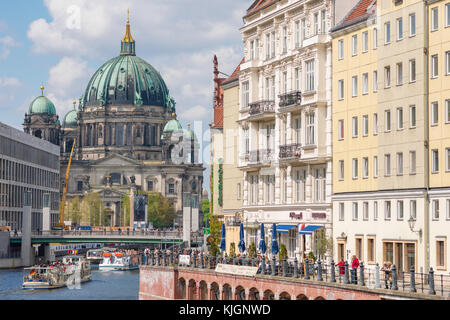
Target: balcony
289 99
261 157
261 108
291 151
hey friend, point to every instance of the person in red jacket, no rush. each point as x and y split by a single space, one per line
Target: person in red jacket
355 265
341 266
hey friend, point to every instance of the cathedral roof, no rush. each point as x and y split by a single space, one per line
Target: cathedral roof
42 105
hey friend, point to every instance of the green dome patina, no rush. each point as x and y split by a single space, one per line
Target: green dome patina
70 120
42 105
172 126
189 135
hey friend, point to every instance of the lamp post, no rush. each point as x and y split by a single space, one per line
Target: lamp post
412 223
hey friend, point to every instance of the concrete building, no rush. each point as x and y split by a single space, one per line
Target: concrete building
31 164
285 121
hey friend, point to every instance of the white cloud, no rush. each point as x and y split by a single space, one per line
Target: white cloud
6 43
9 82
195 113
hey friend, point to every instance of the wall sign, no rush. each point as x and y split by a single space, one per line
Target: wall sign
319 215
236 270
293 215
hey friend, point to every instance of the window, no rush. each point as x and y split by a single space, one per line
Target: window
365 89
412 162
365 168
447 157
257 49
341 129
340 89
387 165
399 118
355 127
246 141
310 129
355 168
272 40
284 88
354 86
400 210
245 95
316 23
298 127
252 50
341 211
297 34
272 91
375 38
171 188
412 70
375 166
323 26
387 120
297 79
387 77
285 39
434 19
365 211
354 45
413 209
341 170
371 250
399 29
365 122
375 81
435 161
447 111
387 210
399 74
412 116
365 41
412 24
355 211
399 163
387 32
341 49
267 46
375 123
150 186
434 66
440 253
434 113
435 208
303 29
447 15
375 210
79 186
448 209
239 191
447 63
310 76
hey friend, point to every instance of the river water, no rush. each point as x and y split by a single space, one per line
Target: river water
106 285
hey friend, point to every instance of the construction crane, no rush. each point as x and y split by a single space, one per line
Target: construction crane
66 180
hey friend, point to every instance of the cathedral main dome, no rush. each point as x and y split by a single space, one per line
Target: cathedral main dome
128 79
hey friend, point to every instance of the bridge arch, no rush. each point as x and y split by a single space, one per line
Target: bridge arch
203 290
253 294
320 298
214 293
239 293
181 289
268 295
192 290
302 297
226 292
285 296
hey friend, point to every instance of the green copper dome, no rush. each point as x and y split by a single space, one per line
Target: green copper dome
70 120
172 126
42 105
188 134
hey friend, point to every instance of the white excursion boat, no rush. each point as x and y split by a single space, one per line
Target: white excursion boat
71 271
119 261
95 256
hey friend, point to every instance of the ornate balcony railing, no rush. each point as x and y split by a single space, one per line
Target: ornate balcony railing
290 151
261 156
260 107
290 98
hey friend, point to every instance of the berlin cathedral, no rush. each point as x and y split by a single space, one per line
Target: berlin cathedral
126 135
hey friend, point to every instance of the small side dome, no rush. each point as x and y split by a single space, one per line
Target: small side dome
172 126
70 120
42 105
189 135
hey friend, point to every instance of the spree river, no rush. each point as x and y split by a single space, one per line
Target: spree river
108 285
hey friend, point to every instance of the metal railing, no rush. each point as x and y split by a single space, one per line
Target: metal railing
261 107
290 151
290 98
261 156
372 278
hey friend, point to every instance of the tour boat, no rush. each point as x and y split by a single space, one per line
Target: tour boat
119 261
71 271
95 256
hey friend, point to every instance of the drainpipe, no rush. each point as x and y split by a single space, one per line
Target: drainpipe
426 233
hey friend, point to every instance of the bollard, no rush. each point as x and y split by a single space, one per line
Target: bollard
306 270
346 279
295 268
377 277
431 282
394 278
361 275
333 275
273 266
319 271
412 287
284 268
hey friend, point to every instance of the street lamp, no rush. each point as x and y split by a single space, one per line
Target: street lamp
412 223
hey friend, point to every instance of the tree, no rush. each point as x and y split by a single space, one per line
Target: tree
252 250
74 210
215 227
283 252
126 211
232 249
161 212
205 210
91 209
323 244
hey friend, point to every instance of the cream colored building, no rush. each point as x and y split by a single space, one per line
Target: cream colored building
285 120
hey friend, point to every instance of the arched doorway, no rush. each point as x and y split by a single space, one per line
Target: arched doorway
226 292
285 296
38 134
302 297
253 294
268 295
181 289
240 293
203 291
192 290
214 292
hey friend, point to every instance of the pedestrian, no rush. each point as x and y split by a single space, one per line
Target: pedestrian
341 266
355 265
387 266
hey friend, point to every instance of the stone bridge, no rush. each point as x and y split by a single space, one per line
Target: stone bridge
170 283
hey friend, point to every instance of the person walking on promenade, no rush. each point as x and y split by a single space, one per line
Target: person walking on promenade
355 265
387 265
341 265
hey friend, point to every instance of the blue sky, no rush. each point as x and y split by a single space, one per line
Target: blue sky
60 43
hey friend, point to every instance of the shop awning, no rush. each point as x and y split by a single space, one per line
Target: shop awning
309 229
284 228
